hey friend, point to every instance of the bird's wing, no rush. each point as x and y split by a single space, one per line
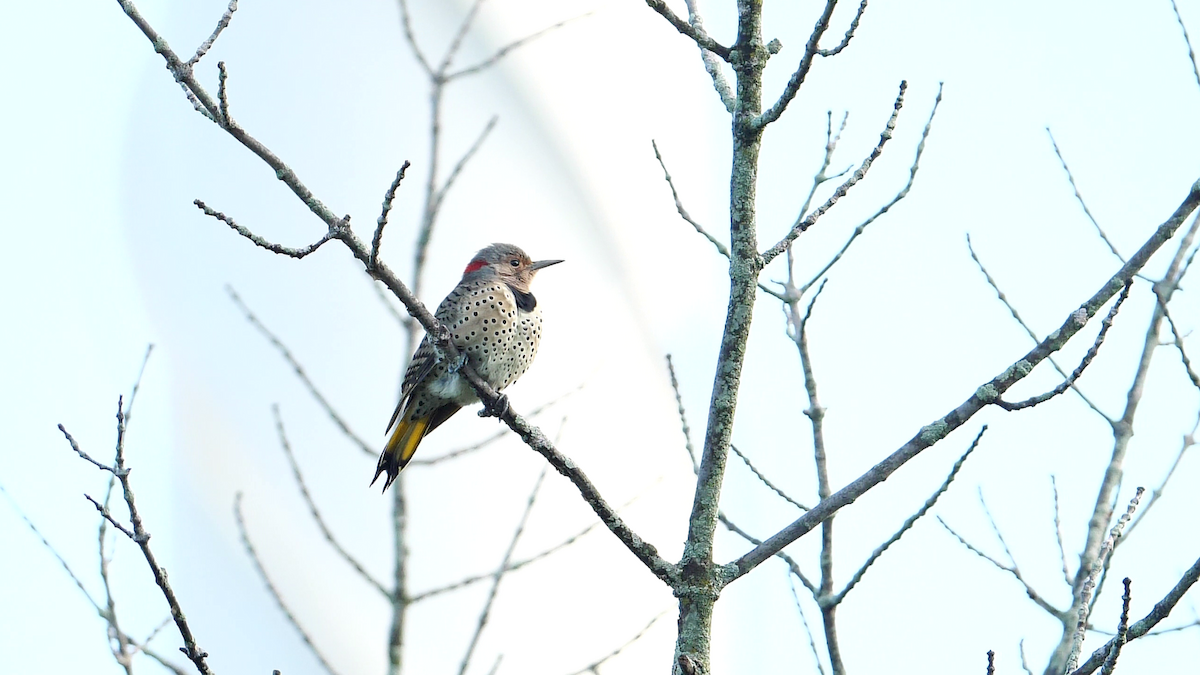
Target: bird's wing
422 363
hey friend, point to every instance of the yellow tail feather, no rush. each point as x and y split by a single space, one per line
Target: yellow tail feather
400 447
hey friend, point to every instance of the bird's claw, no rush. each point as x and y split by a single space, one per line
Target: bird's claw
498 409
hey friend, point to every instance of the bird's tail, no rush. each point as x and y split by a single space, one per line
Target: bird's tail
405 438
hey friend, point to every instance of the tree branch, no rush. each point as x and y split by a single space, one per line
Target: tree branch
695 32
804 223
985 395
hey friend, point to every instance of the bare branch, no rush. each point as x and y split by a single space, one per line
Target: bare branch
1110 662
262 572
53 551
1029 590
1187 363
508 48
793 566
595 665
296 253
499 574
812 644
108 517
911 519
983 396
463 583
687 432
804 223
711 63
1090 582
1189 440
1142 627
406 22
1058 536
462 162
388 196
1087 359
849 33
912 175
299 370
1075 188
695 32
1029 331
316 514
456 42
1188 41
223 94
721 248
221 25
811 49
141 537
758 474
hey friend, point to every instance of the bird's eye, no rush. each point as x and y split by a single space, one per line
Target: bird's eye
514 262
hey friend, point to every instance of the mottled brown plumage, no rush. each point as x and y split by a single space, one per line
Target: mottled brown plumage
495 322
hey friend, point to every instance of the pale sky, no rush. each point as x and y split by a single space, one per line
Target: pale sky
105 253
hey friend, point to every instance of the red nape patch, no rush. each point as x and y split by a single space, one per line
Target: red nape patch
474 265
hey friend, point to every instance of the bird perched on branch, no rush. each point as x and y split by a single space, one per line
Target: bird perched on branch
496 325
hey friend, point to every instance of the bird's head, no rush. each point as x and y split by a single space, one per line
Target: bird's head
507 262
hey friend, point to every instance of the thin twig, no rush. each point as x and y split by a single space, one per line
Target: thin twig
262 573
982 397
1058 535
1090 582
912 176
1189 440
721 248
1075 188
849 33
1187 40
1140 628
316 514
1187 363
696 33
803 224
595 665
1029 331
499 574
812 643
712 64
908 523
508 48
1033 594
388 196
221 25
687 432
811 49
296 253
765 481
463 583
1110 663
1087 359
299 370
411 38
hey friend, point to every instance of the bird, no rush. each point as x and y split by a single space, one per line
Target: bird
495 323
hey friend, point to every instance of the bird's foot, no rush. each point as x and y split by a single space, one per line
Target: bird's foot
457 364
498 409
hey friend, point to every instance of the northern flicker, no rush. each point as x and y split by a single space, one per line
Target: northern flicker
495 323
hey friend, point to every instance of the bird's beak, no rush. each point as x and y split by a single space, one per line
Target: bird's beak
543 263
